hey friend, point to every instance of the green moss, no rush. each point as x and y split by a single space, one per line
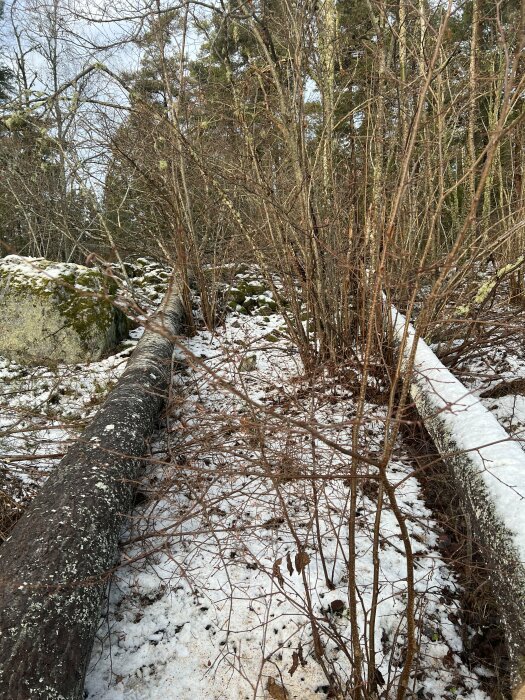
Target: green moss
235 295
248 363
252 296
264 310
63 311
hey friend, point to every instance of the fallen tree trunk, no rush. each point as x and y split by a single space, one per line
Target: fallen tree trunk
487 470
55 565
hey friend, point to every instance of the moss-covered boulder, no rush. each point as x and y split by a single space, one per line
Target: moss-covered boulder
56 312
248 296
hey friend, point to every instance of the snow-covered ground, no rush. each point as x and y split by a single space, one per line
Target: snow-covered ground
235 569
236 564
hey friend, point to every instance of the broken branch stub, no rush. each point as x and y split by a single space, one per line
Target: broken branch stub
55 565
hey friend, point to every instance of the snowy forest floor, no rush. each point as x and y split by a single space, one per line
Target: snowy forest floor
238 547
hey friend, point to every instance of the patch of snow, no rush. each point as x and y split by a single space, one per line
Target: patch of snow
217 606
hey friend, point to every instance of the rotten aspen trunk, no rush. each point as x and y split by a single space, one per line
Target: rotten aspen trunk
485 468
55 565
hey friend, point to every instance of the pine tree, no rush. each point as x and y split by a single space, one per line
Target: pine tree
5 73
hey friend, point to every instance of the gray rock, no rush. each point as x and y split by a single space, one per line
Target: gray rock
56 312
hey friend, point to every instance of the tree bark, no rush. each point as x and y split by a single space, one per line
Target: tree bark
56 563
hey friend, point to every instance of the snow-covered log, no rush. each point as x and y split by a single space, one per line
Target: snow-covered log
54 566
488 472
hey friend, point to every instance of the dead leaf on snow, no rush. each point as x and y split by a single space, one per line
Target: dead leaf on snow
273 523
295 663
289 563
296 657
337 606
276 690
276 571
301 561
